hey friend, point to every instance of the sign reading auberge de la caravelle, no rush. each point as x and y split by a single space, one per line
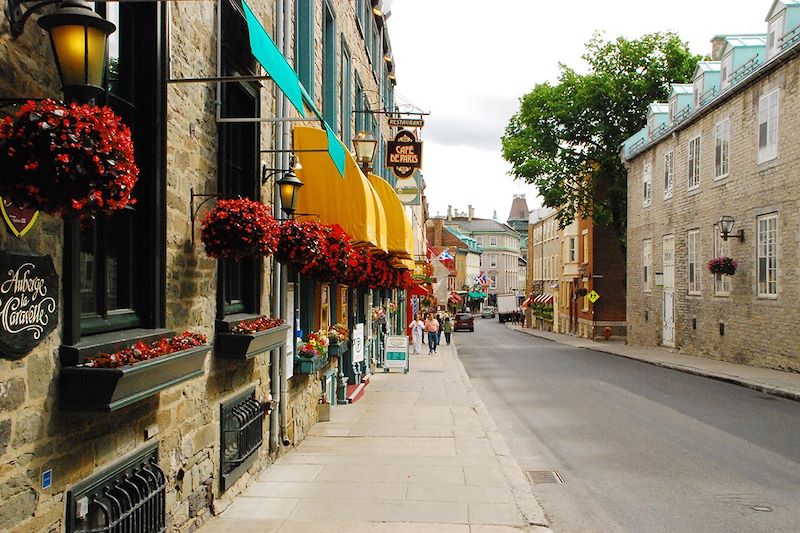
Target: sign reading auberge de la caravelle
404 154
28 302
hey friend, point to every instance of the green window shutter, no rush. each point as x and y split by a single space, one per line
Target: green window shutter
346 98
329 103
304 44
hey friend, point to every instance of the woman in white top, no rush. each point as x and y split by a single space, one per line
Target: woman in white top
417 327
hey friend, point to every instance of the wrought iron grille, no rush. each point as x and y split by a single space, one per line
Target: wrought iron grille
242 425
126 497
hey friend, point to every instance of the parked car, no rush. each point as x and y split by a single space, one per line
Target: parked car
464 322
488 312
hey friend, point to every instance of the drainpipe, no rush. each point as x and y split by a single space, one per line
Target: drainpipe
284 23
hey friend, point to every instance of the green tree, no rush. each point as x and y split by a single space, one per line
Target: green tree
566 137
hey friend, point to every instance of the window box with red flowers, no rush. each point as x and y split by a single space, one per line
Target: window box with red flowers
248 338
313 354
66 160
110 380
338 340
238 228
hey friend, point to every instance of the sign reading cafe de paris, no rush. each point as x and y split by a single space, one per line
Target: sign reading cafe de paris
28 302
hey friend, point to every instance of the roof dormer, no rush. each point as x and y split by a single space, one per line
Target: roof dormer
657 119
783 26
681 102
706 82
741 55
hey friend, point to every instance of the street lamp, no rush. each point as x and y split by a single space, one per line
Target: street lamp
726 227
288 187
365 144
78 37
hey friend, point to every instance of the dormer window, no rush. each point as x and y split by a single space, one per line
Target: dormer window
774 34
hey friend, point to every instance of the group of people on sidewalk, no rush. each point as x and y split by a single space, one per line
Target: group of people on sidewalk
433 327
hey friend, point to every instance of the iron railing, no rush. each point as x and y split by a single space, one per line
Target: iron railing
242 425
745 69
789 38
127 497
681 115
708 95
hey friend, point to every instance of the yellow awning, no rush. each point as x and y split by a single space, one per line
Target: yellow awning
348 200
400 239
381 222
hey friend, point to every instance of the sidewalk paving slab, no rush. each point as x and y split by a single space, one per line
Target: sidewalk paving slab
769 381
418 453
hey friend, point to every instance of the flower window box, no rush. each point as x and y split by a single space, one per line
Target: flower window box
310 365
97 388
235 343
338 349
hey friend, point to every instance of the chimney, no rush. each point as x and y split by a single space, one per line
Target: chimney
494 214
471 212
717 43
438 224
449 212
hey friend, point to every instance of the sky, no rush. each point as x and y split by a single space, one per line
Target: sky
468 62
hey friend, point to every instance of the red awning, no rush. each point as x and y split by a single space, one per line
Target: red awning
419 290
454 298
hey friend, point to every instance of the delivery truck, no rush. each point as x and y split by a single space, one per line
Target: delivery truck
506 307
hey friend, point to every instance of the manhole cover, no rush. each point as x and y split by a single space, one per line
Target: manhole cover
543 476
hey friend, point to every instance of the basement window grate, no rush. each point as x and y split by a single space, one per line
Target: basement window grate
543 476
242 425
127 497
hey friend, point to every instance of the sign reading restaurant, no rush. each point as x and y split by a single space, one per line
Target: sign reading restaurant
406 122
404 154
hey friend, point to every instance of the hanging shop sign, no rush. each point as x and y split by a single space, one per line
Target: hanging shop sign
404 154
358 343
19 220
406 122
28 302
407 189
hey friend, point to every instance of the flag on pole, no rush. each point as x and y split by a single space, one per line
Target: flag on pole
445 255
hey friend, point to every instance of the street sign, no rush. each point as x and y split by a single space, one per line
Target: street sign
593 296
406 122
396 353
404 154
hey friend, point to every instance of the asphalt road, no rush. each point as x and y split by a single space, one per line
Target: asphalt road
640 448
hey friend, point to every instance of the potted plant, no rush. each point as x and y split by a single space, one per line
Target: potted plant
248 338
110 381
725 266
313 353
66 159
335 249
300 243
239 228
338 336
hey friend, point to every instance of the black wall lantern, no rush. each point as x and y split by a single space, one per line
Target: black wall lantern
78 37
365 144
726 227
288 188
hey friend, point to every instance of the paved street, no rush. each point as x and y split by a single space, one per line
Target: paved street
639 447
417 453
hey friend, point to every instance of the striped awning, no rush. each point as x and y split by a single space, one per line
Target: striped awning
543 299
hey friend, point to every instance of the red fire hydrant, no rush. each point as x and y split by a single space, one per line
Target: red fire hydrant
607 333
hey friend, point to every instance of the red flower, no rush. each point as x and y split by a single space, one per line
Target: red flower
239 228
262 324
78 158
142 352
300 243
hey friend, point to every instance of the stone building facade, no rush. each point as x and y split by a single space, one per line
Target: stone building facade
46 450
732 155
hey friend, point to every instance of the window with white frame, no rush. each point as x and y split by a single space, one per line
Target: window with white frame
774 34
722 284
693 164
669 173
647 185
647 265
479 240
573 249
493 281
492 260
693 266
722 148
767 252
768 126
492 241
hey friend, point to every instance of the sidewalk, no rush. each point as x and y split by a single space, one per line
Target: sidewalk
419 452
775 382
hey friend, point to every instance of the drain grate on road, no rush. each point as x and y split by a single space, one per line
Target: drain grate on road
538 477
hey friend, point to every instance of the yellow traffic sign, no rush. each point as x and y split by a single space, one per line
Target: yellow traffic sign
593 296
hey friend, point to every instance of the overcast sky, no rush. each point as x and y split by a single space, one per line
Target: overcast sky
469 61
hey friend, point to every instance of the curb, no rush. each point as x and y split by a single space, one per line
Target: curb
727 378
530 508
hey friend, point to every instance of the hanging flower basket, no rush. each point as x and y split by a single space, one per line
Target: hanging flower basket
66 159
359 265
725 266
239 228
336 247
300 243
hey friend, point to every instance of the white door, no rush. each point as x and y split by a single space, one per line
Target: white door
668 334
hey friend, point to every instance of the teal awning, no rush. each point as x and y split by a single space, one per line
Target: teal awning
270 57
477 295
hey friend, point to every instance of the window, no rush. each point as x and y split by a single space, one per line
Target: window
346 96
113 265
673 109
479 240
304 44
361 16
692 268
722 284
361 106
774 34
492 260
493 281
767 251
647 185
492 241
722 142
768 126
572 256
669 173
694 163
698 90
329 75
647 265
725 70
585 236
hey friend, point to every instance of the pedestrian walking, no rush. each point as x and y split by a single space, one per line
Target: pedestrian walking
439 332
432 329
447 327
417 329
